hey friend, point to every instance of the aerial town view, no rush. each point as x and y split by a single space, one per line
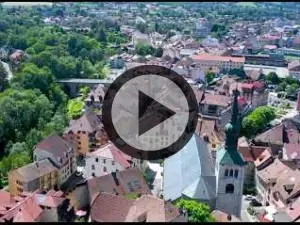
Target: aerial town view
149 112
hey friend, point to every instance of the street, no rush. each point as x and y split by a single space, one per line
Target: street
157 183
245 216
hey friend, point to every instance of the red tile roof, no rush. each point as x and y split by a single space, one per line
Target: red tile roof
208 57
109 150
114 208
294 210
212 99
108 184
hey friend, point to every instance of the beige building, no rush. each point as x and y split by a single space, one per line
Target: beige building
60 153
213 62
86 133
41 175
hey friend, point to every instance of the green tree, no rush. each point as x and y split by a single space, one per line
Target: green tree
159 52
292 89
209 76
85 91
197 211
3 76
273 78
101 36
258 120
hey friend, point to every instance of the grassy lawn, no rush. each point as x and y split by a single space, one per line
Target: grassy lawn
75 108
247 4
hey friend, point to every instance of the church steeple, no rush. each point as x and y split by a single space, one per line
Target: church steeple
232 129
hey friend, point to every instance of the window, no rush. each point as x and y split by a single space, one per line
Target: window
113 163
231 173
104 169
83 132
229 188
236 173
104 160
226 173
96 159
93 167
93 174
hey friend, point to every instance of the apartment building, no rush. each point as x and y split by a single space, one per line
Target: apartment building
41 175
60 153
86 133
105 160
213 62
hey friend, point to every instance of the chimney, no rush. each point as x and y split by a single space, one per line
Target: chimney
229 217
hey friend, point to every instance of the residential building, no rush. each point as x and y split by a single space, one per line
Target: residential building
86 133
114 208
60 153
266 178
116 62
95 98
35 207
224 217
210 62
288 51
213 104
202 28
41 175
139 38
107 159
119 182
272 59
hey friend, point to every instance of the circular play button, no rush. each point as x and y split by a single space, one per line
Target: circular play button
150 112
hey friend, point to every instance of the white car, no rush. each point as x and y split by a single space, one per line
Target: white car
249 197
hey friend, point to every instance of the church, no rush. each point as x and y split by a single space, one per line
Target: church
192 174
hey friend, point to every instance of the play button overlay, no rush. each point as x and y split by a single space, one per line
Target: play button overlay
155 112
150 112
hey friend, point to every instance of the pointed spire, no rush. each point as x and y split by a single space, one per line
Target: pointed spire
235 108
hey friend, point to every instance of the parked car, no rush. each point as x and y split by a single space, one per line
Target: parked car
249 197
254 202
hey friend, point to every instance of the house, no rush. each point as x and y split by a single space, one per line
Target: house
119 182
203 28
190 173
35 207
294 69
86 133
213 104
17 56
41 175
60 153
266 178
107 159
95 98
286 132
208 62
250 155
286 190
224 217
139 38
115 208
116 62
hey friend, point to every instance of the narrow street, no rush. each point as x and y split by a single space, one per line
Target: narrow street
157 183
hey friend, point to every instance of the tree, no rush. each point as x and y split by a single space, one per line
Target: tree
273 78
85 91
101 36
292 89
209 76
159 52
197 211
258 120
3 76
144 50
